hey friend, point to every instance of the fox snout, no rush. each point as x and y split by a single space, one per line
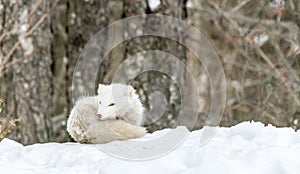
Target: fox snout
99 115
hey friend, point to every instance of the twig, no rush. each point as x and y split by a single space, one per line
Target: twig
264 112
38 4
232 22
258 20
266 59
239 6
278 74
6 29
19 60
285 62
45 15
7 32
6 58
229 15
16 45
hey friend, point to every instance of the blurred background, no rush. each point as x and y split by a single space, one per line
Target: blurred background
258 43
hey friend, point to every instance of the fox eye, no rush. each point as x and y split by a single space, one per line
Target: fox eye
111 104
100 102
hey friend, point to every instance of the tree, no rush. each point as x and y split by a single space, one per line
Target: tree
26 37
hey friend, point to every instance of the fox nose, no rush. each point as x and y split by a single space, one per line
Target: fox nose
99 115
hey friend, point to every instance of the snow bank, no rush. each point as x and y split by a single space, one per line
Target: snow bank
245 148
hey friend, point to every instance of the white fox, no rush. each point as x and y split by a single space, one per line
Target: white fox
114 114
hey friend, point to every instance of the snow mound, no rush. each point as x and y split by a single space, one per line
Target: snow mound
244 148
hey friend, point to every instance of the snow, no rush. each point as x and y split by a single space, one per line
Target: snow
261 39
245 148
26 44
154 4
189 4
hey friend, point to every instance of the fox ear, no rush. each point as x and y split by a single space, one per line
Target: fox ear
100 87
131 90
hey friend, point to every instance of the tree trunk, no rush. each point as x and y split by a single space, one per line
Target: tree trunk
152 81
30 89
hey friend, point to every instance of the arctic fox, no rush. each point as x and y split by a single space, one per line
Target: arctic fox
114 114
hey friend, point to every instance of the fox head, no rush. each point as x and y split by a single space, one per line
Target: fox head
119 101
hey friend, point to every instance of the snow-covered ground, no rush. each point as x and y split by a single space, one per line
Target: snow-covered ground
245 148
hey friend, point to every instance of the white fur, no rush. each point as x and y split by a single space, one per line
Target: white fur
126 102
119 122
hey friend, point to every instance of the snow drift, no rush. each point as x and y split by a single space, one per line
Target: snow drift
244 148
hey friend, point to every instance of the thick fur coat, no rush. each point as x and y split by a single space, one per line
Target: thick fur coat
114 114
